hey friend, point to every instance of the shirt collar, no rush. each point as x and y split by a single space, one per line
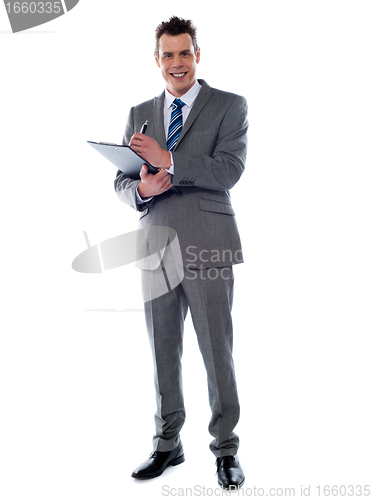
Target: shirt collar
188 98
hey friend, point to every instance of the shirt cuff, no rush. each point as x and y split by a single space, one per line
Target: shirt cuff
171 168
140 200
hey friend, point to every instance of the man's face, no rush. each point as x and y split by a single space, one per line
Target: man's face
177 61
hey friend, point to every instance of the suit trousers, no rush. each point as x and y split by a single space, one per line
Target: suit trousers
208 293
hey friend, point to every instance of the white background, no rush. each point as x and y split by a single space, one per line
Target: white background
76 395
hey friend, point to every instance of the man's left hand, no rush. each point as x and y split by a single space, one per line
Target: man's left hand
150 150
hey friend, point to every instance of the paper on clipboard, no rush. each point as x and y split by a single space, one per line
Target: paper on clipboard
123 157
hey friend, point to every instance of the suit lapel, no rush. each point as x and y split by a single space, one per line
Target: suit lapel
159 120
200 102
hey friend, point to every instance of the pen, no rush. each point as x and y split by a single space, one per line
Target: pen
144 127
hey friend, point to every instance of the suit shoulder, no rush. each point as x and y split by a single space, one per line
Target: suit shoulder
148 104
144 105
227 96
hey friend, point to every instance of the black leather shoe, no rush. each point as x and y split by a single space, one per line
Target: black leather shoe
158 461
230 474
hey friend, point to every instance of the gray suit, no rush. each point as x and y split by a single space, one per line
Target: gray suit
208 160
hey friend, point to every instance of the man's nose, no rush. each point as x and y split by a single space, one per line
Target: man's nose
177 62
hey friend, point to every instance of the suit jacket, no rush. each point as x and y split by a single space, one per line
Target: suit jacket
209 159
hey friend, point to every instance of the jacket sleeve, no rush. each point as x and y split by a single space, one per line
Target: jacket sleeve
126 187
222 170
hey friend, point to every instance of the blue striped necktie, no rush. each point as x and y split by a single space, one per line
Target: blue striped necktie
175 125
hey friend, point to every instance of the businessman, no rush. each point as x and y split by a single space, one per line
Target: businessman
197 137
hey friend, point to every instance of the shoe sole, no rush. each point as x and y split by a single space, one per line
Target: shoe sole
176 461
231 487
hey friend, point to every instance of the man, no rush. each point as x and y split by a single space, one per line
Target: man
197 137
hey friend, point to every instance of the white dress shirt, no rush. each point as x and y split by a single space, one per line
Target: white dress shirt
188 99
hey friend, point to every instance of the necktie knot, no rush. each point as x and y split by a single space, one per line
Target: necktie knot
177 103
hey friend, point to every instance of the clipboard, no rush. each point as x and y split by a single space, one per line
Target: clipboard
127 160
123 157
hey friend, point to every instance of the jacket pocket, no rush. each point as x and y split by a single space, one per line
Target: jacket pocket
215 206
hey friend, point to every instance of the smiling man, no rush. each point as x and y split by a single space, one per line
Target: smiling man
197 137
178 65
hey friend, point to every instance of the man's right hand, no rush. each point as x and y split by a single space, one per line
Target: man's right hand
153 184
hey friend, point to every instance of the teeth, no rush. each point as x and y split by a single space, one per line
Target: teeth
178 75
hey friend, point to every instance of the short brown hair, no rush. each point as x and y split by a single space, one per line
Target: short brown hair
175 26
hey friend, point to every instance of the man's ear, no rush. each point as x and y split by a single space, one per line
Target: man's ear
157 60
198 56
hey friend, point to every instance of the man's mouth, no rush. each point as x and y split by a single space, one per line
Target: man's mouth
178 75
